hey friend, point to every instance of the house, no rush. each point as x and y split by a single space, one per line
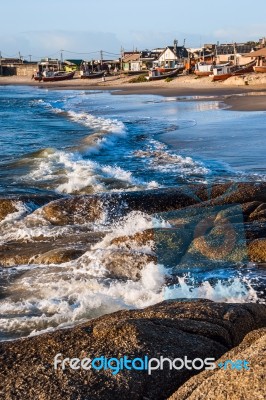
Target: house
233 52
72 65
131 61
139 61
15 66
172 55
260 55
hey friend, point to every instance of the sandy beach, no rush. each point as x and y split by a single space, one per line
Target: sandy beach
243 93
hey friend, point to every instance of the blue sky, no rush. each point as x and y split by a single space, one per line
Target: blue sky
44 27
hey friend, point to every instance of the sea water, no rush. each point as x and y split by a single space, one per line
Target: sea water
67 143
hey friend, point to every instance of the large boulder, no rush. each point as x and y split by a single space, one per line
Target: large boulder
228 383
172 329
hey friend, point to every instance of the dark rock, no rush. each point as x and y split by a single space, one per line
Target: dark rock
231 384
172 329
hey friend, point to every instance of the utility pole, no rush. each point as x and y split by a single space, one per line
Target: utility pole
101 58
1 64
121 60
30 56
61 59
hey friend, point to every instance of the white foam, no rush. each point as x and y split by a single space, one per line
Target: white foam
236 290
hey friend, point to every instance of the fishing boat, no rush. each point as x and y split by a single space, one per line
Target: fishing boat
155 75
260 68
221 73
202 69
91 75
51 76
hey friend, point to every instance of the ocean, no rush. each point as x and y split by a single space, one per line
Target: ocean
67 144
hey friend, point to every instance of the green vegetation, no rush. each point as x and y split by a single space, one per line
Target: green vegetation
138 79
168 79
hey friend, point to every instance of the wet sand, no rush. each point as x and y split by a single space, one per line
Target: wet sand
247 93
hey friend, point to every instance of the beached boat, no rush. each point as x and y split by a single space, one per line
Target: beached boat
51 76
221 73
37 76
155 75
203 69
260 68
91 75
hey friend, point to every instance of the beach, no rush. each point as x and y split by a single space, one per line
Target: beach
243 93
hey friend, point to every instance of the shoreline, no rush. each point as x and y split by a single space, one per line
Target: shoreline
235 92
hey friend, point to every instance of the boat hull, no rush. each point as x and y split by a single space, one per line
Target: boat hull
260 69
235 71
163 76
93 75
221 77
202 73
57 78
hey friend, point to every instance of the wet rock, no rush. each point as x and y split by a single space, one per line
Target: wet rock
259 214
172 329
57 256
125 264
168 245
7 206
75 210
47 250
232 384
139 238
257 250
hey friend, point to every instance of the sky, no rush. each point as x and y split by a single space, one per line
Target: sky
81 28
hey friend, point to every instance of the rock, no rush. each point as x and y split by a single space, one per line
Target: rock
139 238
122 264
7 206
173 329
74 210
57 256
232 384
259 214
257 250
47 250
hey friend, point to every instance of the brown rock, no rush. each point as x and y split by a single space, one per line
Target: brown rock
139 238
173 329
75 210
259 214
7 206
121 264
232 384
257 250
57 256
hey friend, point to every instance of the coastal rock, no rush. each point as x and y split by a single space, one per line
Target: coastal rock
75 210
122 264
6 207
231 383
257 250
259 214
57 256
173 329
82 209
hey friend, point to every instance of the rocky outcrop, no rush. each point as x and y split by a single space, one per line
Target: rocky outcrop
257 250
172 329
233 384
6 207
199 216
